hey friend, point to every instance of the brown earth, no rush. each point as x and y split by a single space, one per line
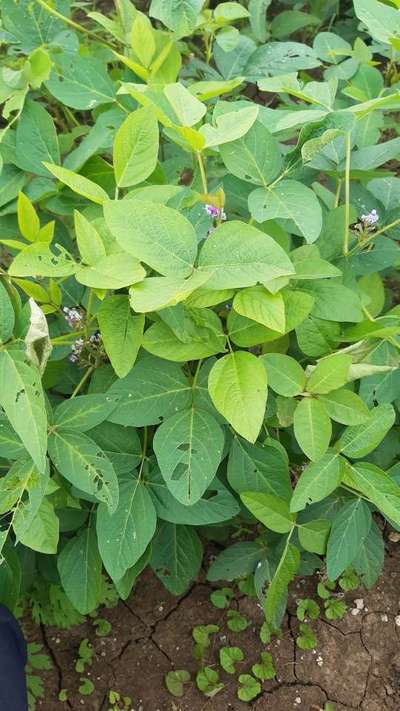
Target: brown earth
356 664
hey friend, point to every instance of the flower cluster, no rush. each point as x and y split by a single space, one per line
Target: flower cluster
218 213
370 219
73 317
86 352
77 349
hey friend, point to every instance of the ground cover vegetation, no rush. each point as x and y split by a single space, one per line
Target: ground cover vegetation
199 302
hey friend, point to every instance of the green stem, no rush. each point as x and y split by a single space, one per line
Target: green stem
88 310
144 452
202 170
196 374
347 196
82 381
71 23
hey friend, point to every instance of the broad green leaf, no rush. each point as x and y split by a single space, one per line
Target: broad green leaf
277 590
84 412
334 301
378 486
313 535
82 462
161 341
10 575
228 656
7 316
155 293
180 16
288 200
143 39
36 140
78 183
257 9
124 585
79 566
229 126
317 337
28 221
312 428
22 398
152 391
114 271
90 244
285 374
188 447
176 556
124 535
350 527
155 234
238 388
135 148
383 22
369 560
249 687
121 445
329 374
317 481
280 58
80 82
309 265
187 108
257 304
359 440
42 534
38 260
345 407
237 561
255 157
11 446
259 468
121 332
239 255
272 511
32 490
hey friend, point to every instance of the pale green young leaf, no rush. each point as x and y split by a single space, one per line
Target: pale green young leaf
249 687
43 532
155 293
155 234
285 374
188 447
290 200
90 244
329 374
187 108
143 39
313 535
350 527
312 428
135 148
345 407
121 332
37 260
79 566
317 481
230 126
28 221
238 388
359 440
7 316
78 183
228 656
124 535
114 271
257 304
271 510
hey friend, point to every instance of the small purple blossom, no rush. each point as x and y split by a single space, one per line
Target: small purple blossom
72 316
76 349
370 219
95 338
215 212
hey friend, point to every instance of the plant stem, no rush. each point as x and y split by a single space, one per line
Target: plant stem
71 23
82 381
372 236
88 310
338 189
347 196
144 451
200 162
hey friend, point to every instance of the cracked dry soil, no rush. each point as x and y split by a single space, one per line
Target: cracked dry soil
356 664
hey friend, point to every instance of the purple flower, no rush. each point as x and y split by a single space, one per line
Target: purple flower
370 219
72 316
215 212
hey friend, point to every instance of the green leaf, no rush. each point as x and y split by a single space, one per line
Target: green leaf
238 560
228 656
203 338
256 468
370 558
155 234
80 82
240 255
84 412
272 511
288 200
309 265
329 374
317 481
78 183
312 428
249 687
359 440
82 462
124 535
222 597
155 293
255 157
188 447
176 556
10 577
285 374
313 535
43 532
87 687
36 140
174 681
121 332
265 669
229 126
307 608
277 590
334 301
307 639
207 680
156 387
236 621
257 304
90 244
38 260
22 399
28 221
350 527
383 22
28 490
7 316
345 407
179 16
378 486
238 388
114 271
79 566
135 148
335 609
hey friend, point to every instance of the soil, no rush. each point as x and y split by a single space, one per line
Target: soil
356 664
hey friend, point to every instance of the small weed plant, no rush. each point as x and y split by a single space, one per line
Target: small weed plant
199 305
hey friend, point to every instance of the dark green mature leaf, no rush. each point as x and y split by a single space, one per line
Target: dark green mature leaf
188 447
350 528
256 468
277 590
22 398
84 412
358 440
238 560
369 560
36 140
378 486
79 566
81 82
176 556
31 25
317 481
289 200
124 535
